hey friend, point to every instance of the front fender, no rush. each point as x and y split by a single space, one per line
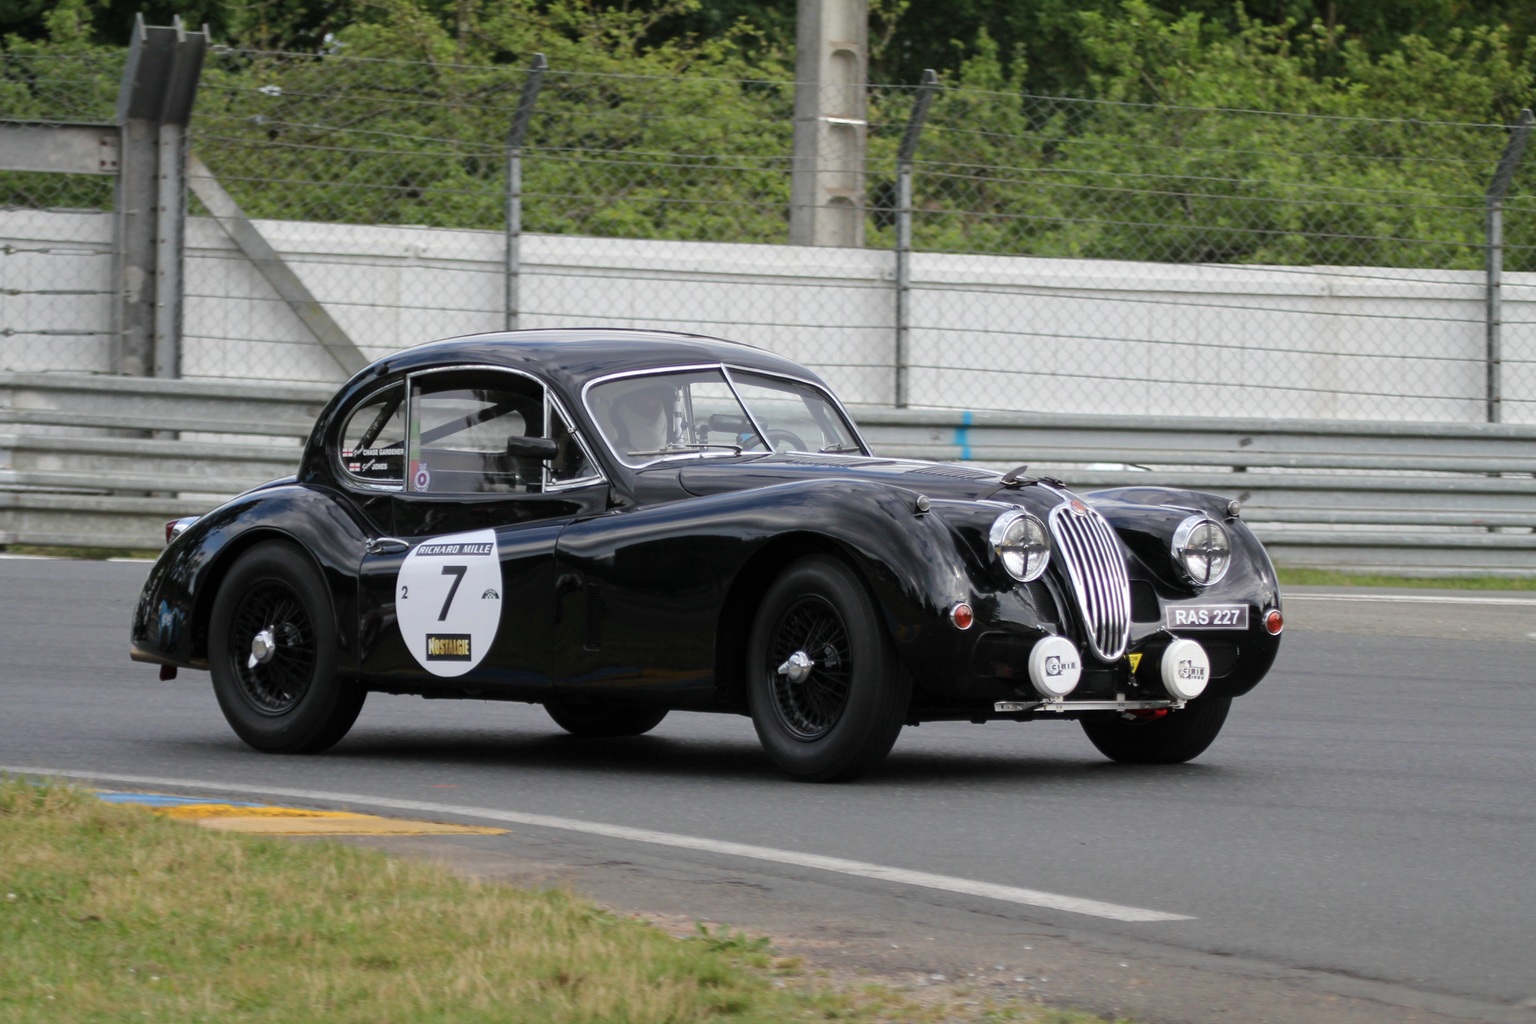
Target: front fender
170 622
666 584
1145 518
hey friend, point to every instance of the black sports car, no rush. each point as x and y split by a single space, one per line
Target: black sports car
618 524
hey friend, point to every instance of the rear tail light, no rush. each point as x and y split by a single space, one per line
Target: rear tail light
175 527
1274 622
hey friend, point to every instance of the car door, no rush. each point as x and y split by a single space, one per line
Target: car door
460 594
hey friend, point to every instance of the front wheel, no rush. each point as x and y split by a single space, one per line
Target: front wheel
591 718
272 654
826 694
1173 738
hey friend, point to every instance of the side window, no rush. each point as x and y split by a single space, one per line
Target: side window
373 439
476 432
796 416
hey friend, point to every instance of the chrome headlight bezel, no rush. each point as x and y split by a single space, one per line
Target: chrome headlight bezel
1021 544
1202 550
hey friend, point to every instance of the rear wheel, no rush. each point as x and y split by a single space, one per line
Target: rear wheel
272 654
826 694
582 717
1172 738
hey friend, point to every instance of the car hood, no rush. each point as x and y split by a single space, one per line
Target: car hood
1144 517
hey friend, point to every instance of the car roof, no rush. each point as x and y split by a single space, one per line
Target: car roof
572 356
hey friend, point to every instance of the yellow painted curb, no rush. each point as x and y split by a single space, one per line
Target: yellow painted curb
294 821
336 825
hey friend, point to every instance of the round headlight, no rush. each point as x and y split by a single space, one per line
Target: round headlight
1202 550
1019 540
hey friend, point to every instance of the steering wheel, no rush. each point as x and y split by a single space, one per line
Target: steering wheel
786 441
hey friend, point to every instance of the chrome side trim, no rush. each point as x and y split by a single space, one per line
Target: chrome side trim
1096 567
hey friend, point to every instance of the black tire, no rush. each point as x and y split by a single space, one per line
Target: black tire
591 718
844 714
293 702
1174 738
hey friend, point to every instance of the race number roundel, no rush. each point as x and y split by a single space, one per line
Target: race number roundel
448 601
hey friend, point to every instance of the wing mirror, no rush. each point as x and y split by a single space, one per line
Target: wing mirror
532 447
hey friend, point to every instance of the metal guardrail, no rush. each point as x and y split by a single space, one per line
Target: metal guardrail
104 461
1415 498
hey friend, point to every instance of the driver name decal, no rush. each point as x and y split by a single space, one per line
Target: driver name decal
448 601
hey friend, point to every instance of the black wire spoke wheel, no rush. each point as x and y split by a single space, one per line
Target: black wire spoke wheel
276 685
272 652
811 705
826 693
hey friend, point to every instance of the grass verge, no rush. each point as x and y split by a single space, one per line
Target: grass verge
1329 578
110 913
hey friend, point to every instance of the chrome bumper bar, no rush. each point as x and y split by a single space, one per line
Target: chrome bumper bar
1011 706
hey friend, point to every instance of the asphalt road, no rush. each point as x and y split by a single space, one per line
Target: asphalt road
1359 845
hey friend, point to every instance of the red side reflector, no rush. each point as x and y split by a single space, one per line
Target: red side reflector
962 616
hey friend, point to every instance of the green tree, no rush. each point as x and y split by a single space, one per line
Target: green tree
403 120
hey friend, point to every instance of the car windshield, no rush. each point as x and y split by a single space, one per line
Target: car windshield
703 412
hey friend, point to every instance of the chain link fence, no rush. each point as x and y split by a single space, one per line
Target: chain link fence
1243 260
1065 254
56 240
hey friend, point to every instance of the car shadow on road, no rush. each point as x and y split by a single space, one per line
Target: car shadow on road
722 759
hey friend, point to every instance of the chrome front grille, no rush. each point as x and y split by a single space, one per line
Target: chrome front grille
1088 549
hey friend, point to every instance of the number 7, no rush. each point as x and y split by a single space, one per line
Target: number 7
457 572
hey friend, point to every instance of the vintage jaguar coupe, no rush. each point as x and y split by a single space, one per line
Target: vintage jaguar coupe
619 524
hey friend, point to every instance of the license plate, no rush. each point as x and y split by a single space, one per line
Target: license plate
1205 616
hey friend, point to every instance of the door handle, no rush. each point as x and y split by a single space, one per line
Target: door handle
382 545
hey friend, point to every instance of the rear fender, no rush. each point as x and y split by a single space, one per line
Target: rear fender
171 620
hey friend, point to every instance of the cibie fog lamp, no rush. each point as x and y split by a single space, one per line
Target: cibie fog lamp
1020 543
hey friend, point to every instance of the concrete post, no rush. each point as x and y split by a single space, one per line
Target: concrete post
831 69
154 104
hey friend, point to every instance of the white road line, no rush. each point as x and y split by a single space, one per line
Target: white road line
1368 598
859 869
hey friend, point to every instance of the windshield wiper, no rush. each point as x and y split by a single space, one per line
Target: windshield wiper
679 446
840 447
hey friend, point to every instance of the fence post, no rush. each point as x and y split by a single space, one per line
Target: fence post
1494 227
514 197
904 153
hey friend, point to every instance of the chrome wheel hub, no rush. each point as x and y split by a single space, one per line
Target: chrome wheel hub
797 667
263 646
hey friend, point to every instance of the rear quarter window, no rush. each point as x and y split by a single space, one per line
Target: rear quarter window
372 446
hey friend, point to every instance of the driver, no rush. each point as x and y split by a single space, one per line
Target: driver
643 417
